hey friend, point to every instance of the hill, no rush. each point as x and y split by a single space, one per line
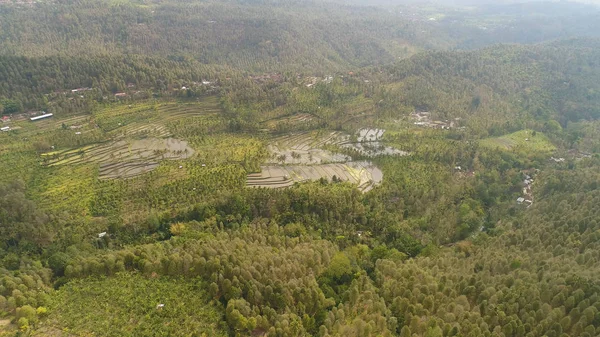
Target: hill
502 88
313 36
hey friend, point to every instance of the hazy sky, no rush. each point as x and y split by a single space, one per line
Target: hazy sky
457 2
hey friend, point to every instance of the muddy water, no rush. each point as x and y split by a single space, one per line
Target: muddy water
370 135
300 157
368 144
373 149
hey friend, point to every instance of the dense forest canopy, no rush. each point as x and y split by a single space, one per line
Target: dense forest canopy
299 168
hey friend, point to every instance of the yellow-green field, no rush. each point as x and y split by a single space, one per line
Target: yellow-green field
527 140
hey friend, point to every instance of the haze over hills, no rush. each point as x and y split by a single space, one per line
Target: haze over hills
458 2
277 35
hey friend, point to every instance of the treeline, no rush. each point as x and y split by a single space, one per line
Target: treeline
30 83
249 36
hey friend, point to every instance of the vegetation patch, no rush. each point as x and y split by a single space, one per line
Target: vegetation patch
132 305
527 140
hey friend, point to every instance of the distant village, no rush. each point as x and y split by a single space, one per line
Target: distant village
423 119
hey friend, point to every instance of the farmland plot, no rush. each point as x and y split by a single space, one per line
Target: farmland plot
368 143
363 174
124 158
302 157
370 135
306 149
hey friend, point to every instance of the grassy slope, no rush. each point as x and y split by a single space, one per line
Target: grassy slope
125 305
518 140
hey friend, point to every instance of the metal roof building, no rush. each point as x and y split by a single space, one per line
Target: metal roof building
36 118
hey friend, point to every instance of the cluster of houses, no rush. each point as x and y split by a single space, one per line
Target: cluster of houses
77 90
423 119
527 198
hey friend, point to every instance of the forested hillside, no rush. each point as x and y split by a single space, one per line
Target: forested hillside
318 36
253 36
503 84
299 168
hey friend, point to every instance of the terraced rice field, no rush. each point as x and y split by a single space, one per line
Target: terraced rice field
368 144
364 174
303 157
306 148
124 158
149 121
294 119
139 136
370 135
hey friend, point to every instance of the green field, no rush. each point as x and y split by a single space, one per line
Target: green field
526 140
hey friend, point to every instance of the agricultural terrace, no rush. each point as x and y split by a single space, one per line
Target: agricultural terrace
124 158
132 140
173 154
311 148
299 121
309 156
363 174
307 148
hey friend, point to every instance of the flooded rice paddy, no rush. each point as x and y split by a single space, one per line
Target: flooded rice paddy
308 156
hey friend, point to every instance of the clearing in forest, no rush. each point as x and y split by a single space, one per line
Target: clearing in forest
527 140
134 305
